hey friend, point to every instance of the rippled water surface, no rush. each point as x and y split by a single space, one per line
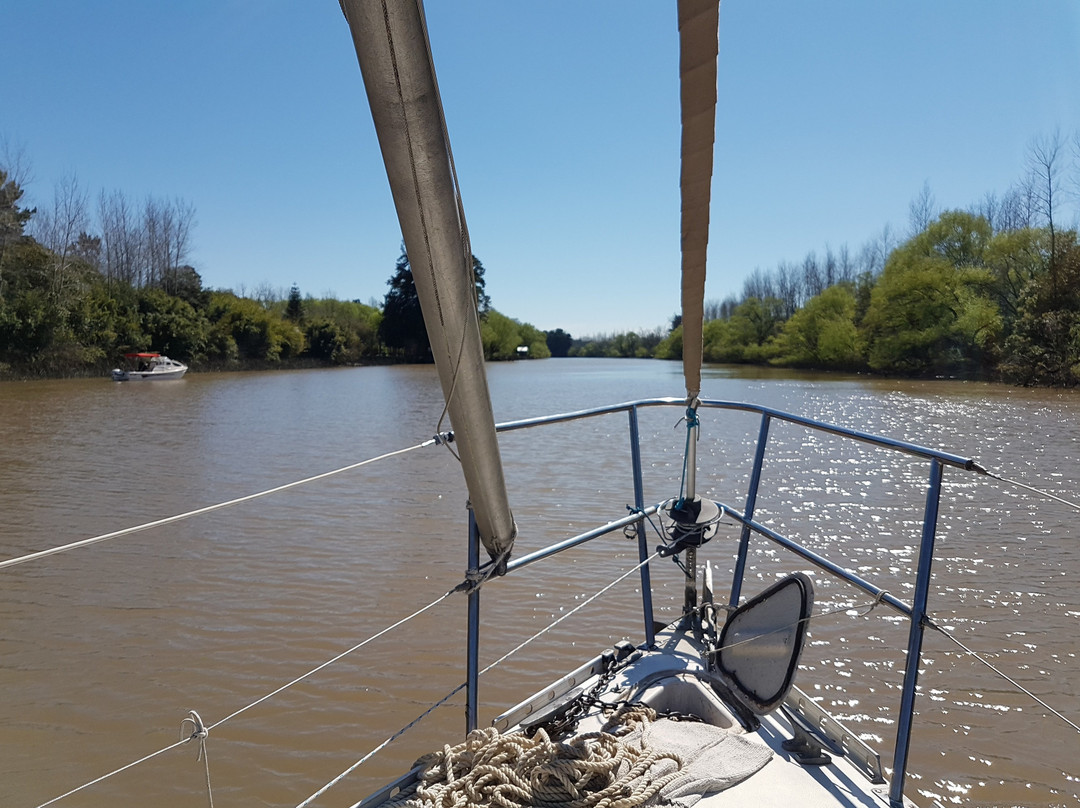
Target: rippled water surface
104 650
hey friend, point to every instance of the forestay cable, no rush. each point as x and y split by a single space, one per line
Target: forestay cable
11 562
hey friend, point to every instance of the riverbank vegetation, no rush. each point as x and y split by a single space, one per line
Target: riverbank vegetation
991 291
76 296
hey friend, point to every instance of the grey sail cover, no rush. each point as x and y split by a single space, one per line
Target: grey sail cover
392 48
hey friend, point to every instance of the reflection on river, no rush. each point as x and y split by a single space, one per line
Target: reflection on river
105 649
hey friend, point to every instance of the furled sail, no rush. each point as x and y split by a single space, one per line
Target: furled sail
698 25
394 54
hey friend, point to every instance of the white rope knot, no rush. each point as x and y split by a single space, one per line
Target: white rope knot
200 733
877 602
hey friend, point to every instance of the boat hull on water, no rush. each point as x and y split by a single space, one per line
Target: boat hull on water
149 367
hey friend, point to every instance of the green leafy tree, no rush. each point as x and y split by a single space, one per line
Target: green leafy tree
294 308
747 334
931 310
1044 346
558 342
670 347
402 329
822 334
359 324
243 329
171 325
13 221
501 336
326 341
535 340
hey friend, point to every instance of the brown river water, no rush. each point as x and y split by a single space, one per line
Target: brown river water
105 649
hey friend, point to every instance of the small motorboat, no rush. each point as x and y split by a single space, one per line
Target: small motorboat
149 367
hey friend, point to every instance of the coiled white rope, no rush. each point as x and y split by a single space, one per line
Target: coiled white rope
11 562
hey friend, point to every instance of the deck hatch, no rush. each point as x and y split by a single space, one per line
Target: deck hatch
759 646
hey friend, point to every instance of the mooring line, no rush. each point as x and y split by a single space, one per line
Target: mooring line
329 662
201 732
117 771
11 562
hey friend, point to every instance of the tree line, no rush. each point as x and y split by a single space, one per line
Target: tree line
992 291
75 297
989 292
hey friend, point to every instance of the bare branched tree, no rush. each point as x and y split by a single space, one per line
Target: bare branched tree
789 287
922 210
828 267
1018 208
121 239
759 284
712 310
59 228
876 251
1045 158
813 279
989 208
845 266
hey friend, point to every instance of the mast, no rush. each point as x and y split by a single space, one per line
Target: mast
395 60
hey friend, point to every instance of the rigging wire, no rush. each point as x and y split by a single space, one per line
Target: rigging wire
931 624
11 562
461 687
1075 506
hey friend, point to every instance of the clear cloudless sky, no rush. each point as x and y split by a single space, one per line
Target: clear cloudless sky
564 121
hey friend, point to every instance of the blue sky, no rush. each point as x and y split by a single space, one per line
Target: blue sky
564 121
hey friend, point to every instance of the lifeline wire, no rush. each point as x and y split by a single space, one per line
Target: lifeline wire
11 562
200 732
461 687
